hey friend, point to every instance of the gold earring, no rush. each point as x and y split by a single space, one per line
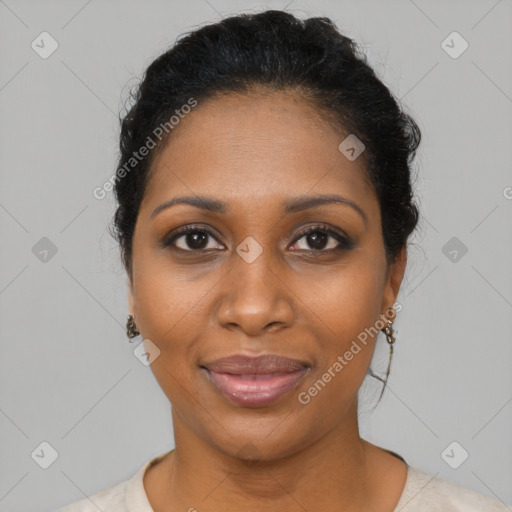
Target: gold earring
131 328
390 338
390 334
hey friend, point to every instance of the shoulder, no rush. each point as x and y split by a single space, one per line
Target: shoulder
111 499
428 493
126 496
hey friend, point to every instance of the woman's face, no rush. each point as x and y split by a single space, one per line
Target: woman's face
248 281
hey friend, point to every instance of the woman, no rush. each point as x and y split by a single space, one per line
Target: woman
264 208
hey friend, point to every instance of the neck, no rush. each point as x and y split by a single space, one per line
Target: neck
331 474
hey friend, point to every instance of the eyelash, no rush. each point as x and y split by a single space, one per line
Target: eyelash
344 242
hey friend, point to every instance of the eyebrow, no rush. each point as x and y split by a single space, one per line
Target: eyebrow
293 205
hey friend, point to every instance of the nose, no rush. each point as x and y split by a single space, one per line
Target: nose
254 297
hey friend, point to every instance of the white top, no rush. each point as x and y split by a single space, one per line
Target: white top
422 493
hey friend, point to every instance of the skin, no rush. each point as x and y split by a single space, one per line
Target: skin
254 152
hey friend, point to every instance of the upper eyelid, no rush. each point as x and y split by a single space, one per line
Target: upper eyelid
321 227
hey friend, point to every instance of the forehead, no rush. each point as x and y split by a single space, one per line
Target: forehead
255 149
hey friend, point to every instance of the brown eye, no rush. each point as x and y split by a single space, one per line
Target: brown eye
316 239
191 239
323 239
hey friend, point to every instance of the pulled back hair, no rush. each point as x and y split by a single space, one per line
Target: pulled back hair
273 50
276 50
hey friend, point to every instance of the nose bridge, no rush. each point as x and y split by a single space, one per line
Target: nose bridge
253 295
253 274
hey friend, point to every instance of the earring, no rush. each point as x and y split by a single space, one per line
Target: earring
390 338
131 328
390 334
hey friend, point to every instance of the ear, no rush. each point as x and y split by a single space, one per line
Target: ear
131 299
394 280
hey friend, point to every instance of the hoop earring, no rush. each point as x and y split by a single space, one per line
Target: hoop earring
131 328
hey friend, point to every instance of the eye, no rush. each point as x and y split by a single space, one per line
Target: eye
318 238
321 238
191 239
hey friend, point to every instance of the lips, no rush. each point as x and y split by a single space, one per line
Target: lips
260 365
255 381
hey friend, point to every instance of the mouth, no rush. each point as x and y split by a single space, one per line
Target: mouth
255 381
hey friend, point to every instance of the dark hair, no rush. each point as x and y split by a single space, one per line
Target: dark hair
274 50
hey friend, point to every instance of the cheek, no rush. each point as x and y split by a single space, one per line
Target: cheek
345 315
348 300
169 317
347 347
173 310
168 301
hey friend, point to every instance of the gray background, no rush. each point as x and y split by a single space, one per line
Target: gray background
68 375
